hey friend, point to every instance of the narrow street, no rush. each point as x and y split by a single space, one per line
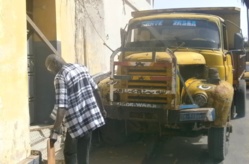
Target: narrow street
177 150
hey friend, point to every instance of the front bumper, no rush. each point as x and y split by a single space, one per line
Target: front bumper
197 114
157 114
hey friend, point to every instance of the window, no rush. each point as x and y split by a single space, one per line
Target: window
193 33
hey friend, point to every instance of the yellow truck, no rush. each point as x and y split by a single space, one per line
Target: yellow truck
178 72
246 74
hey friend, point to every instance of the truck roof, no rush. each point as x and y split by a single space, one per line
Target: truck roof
227 13
204 10
214 18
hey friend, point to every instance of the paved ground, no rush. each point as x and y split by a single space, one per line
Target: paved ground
178 150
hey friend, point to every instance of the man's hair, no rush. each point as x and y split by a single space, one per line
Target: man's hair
54 59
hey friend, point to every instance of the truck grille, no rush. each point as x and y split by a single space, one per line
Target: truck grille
146 82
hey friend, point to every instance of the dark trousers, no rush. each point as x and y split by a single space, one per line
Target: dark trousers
76 151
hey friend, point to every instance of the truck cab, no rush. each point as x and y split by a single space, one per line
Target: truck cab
178 71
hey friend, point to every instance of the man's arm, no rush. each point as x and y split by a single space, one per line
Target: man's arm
56 130
99 102
60 100
59 118
57 124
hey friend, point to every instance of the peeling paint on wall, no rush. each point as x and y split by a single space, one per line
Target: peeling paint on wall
79 33
95 22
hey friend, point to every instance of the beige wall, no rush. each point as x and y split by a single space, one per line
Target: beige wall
44 17
122 10
80 30
14 116
96 22
65 15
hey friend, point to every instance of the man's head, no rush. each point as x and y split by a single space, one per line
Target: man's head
54 63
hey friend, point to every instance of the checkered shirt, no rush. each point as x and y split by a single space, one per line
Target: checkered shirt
74 91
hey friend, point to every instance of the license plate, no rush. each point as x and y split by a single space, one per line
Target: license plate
192 116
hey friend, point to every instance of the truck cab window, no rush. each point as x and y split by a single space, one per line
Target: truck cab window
199 34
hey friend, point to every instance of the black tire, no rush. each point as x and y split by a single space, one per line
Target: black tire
233 113
218 143
113 132
240 99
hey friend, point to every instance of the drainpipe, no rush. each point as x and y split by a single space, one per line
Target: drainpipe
84 46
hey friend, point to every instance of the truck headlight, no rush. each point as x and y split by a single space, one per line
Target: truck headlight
200 99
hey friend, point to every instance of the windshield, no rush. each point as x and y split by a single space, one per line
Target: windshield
201 34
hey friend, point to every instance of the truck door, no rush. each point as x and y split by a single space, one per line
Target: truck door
227 57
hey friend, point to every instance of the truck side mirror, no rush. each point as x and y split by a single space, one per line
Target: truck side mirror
238 41
122 36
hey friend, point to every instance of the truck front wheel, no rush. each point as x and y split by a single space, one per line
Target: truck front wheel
218 143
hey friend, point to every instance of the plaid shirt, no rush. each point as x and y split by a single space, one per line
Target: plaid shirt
74 91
